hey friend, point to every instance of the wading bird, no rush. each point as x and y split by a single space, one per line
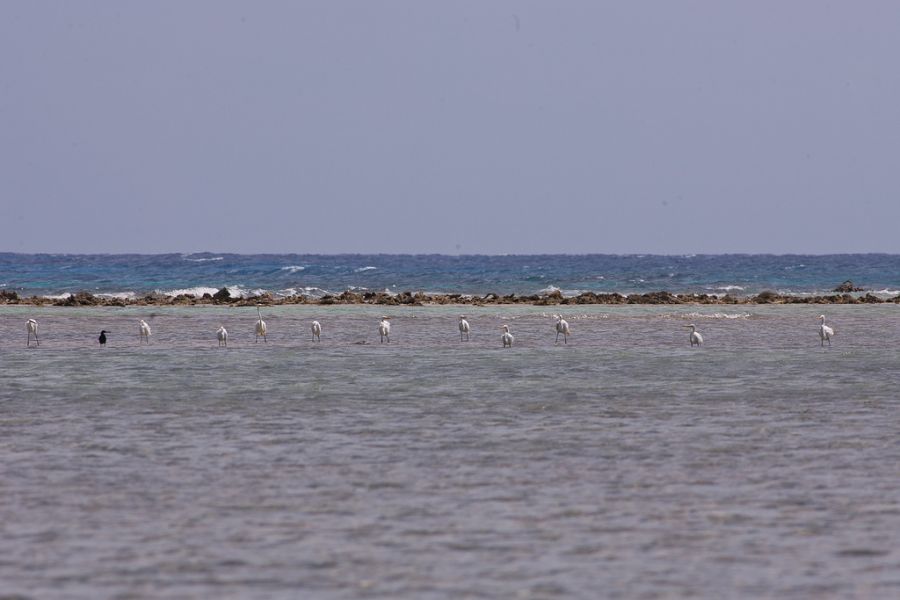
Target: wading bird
507 337
562 327
316 331
825 332
222 336
384 329
102 338
31 326
696 338
145 331
260 327
463 328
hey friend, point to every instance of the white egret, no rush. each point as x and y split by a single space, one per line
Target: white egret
145 331
222 336
825 332
31 326
316 331
463 328
384 329
696 338
562 327
507 337
102 338
260 327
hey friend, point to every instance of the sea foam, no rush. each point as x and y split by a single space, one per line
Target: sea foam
198 291
550 289
118 295
201 260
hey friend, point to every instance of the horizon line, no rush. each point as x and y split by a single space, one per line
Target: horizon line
456 255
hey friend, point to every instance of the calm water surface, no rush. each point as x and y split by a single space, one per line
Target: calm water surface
623 464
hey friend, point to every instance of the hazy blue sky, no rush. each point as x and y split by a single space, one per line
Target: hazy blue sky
478 127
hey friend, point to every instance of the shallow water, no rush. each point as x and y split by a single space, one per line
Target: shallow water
622 464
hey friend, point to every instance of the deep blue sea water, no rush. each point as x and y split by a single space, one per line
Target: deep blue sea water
288 274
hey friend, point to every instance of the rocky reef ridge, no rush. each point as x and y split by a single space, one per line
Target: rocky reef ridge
409 298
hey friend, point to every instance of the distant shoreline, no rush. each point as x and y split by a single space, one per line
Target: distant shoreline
222 298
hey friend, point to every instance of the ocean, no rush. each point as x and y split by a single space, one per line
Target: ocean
316 275
622 464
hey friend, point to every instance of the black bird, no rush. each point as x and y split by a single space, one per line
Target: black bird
102 338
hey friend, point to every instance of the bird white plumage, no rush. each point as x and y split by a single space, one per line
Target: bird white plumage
562 327
31 326
384 329
825 332
463 328
696 338
145 331
260 327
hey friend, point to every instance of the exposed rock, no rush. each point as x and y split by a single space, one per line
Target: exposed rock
848 286
552 299
406 298
382 298
662 297
870 299
766 297
79 299
585 298
155 298
265 298
409 298
349 297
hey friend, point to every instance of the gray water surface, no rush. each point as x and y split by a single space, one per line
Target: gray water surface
623 464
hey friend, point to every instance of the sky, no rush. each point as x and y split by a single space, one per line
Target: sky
449 127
